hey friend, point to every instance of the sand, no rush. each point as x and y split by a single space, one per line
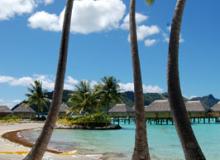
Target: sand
14 151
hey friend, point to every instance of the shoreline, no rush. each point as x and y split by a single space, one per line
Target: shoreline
14 137
15 147
109 127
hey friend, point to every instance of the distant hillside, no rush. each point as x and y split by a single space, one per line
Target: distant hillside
66 95
209 100
128 98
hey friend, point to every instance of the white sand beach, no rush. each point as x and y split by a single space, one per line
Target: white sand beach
13 151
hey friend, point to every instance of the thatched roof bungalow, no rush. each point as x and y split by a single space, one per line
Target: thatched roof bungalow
194 106
63 109
164 106
4 110
158 106
24 110
158 109
161 108
121 110
216 107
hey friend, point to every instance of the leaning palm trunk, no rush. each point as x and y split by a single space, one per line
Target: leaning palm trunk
40 146
141 151
190 145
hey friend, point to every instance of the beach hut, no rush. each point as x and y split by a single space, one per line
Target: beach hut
158 109
63 109
4 110
195 109
161 109
216 107
195 106
216 110
24 111
158 106
121 110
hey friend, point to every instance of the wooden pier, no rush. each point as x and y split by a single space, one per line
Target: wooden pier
159 113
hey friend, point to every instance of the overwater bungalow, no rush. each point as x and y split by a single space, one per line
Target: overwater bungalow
158 109
195 109
4 110
161 109
24 111
216 110
121 110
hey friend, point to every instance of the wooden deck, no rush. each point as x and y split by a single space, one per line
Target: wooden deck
165 118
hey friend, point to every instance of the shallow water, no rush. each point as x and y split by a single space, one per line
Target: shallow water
118 144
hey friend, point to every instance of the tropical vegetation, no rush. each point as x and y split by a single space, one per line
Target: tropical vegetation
141 149
109 92
39 148
37 98
84 100
10 119
100 98
190 145
90 120
92 103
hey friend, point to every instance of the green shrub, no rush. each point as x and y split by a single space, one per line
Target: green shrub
10 119
92 120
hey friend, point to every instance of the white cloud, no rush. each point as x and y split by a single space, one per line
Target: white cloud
140 18
167 38
146 88
23 81
144 31
87 17
190 97
70 82
26 80
45 21
9 103
11 8
150 42
48 82
47 2
152 89
5 79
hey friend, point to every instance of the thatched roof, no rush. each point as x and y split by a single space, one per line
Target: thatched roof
158 106
216 107
4 109
121 108
164 106
194 106
64 107
23 108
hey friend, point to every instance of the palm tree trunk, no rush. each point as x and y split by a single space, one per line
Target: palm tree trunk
190 145
141 151
40 146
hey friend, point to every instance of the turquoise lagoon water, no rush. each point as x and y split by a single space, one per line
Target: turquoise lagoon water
163 141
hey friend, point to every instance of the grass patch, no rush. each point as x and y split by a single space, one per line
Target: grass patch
10 119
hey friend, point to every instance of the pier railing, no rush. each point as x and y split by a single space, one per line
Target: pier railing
165 118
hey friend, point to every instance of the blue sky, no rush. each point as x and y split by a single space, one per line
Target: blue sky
99 46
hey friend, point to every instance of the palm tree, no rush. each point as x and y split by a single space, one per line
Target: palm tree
83 100
109 92
40 146
141 150
190 145
36 97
